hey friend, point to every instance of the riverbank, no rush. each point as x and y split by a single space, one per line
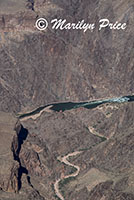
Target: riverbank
62 106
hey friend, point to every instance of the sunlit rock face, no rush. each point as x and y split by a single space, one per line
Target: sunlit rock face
39 67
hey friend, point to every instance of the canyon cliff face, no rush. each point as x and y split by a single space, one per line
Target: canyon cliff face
8 166
12 172
41 67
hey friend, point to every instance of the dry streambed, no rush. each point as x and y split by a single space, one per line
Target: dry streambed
64 160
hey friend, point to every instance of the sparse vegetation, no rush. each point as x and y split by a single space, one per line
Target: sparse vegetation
54 192
65 181
108 113
62 183
95 125
73 170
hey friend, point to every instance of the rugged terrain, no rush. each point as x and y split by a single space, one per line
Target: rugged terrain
42 67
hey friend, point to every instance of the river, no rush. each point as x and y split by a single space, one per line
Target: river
62 106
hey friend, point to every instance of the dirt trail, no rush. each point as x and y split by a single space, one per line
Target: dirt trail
92 130
65 161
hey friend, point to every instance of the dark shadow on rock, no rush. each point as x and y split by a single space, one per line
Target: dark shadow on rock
21 137
22 134
22 170
29 181
18 141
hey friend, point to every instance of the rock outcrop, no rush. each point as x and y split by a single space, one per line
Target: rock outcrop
9 168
